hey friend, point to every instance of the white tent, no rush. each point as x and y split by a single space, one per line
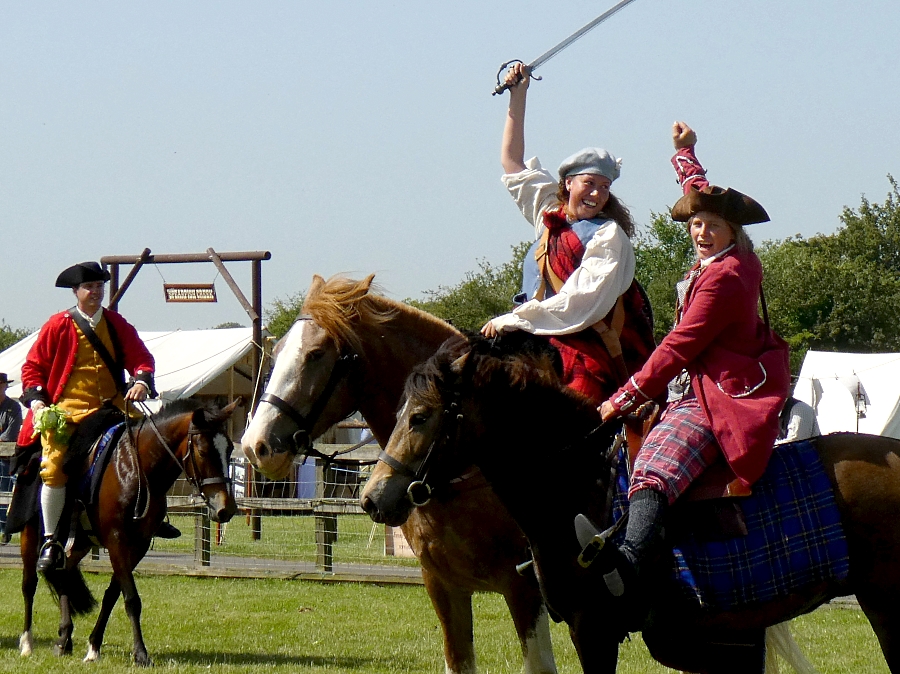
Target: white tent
856 392
188 362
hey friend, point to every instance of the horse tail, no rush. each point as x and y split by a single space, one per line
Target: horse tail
71 583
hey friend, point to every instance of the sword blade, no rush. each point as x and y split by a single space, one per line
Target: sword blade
581 32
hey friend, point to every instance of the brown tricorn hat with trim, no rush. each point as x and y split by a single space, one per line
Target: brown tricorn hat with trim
737 208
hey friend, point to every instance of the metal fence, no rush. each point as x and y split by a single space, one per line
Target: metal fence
309 526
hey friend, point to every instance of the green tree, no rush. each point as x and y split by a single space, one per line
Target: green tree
280 316
839 292
480 296
663 254
10 336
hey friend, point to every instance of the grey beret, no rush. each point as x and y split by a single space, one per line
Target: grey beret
594 160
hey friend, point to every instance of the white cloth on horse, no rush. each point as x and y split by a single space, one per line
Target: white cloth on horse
606 270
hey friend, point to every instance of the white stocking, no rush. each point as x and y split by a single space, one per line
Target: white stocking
53 500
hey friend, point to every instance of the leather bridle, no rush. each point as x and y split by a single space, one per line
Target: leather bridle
306 422
420 489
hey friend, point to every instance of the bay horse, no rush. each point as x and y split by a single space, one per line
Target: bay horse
466 405
352 350
126 513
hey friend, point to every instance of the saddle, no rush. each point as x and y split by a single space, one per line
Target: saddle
708 508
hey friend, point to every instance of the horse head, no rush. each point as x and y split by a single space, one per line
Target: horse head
207 450
477 402
310 388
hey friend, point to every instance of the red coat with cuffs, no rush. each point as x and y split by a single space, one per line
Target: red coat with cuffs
738 366
52 357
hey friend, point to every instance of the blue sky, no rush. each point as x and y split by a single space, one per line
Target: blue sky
361 137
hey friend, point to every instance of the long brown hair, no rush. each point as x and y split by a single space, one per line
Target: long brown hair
613 210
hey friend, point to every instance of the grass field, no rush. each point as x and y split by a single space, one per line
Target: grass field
197 625
291 539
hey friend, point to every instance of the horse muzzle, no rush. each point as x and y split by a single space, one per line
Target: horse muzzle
386 502
271 459
222 507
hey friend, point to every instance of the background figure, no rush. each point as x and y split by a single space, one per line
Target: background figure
10 423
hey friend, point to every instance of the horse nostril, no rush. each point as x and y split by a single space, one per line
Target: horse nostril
262 450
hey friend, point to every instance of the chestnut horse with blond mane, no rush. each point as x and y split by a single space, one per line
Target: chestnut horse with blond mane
352 350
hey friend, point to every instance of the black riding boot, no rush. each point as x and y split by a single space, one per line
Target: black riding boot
52 555
167 530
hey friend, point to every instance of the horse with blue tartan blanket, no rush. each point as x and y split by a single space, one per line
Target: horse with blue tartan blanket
465 405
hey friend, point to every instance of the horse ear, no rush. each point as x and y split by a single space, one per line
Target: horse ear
317 283
456 367
367 282
229 409
198 418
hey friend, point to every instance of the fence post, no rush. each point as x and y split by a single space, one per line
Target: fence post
201 538
326 526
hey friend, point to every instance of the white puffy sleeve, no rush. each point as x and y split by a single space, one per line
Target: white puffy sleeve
534 191
606 271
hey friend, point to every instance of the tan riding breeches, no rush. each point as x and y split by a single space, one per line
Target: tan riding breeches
53 455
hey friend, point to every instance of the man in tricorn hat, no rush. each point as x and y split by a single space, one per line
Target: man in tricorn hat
78 363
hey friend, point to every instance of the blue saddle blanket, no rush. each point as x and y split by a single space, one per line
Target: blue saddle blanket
795 539
90 482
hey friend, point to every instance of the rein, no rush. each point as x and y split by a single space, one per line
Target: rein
305 423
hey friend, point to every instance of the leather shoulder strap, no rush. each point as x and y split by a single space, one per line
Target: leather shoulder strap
114 368
608 333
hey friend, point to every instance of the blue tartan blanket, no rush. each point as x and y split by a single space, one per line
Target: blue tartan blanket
795 539
90 482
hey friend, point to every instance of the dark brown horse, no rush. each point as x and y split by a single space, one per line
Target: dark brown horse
129 507
353 351
466 405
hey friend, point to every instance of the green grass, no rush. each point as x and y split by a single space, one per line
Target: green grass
292 539
197 625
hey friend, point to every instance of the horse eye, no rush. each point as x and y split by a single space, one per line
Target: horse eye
314 355
418 419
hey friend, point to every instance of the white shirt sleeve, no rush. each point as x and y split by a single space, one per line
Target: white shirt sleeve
534 191
606 271
802 423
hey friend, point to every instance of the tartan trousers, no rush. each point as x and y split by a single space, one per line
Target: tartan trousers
675 452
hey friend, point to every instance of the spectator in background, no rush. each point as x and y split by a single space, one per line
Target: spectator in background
10 422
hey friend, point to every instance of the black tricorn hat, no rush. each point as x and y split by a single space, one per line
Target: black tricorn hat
83 272
737 208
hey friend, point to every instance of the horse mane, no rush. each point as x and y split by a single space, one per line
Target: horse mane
174 408
514 363
342 306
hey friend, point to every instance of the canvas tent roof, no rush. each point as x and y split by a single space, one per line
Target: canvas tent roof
187 361
852 391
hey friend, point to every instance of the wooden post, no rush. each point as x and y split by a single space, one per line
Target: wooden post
325 525
201 538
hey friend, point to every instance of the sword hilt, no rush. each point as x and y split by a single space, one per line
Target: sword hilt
503 86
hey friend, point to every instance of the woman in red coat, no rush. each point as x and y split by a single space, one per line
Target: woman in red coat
726 371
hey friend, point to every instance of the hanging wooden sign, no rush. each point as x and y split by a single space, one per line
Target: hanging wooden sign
190 292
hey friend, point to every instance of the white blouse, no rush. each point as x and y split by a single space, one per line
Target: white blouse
606 270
